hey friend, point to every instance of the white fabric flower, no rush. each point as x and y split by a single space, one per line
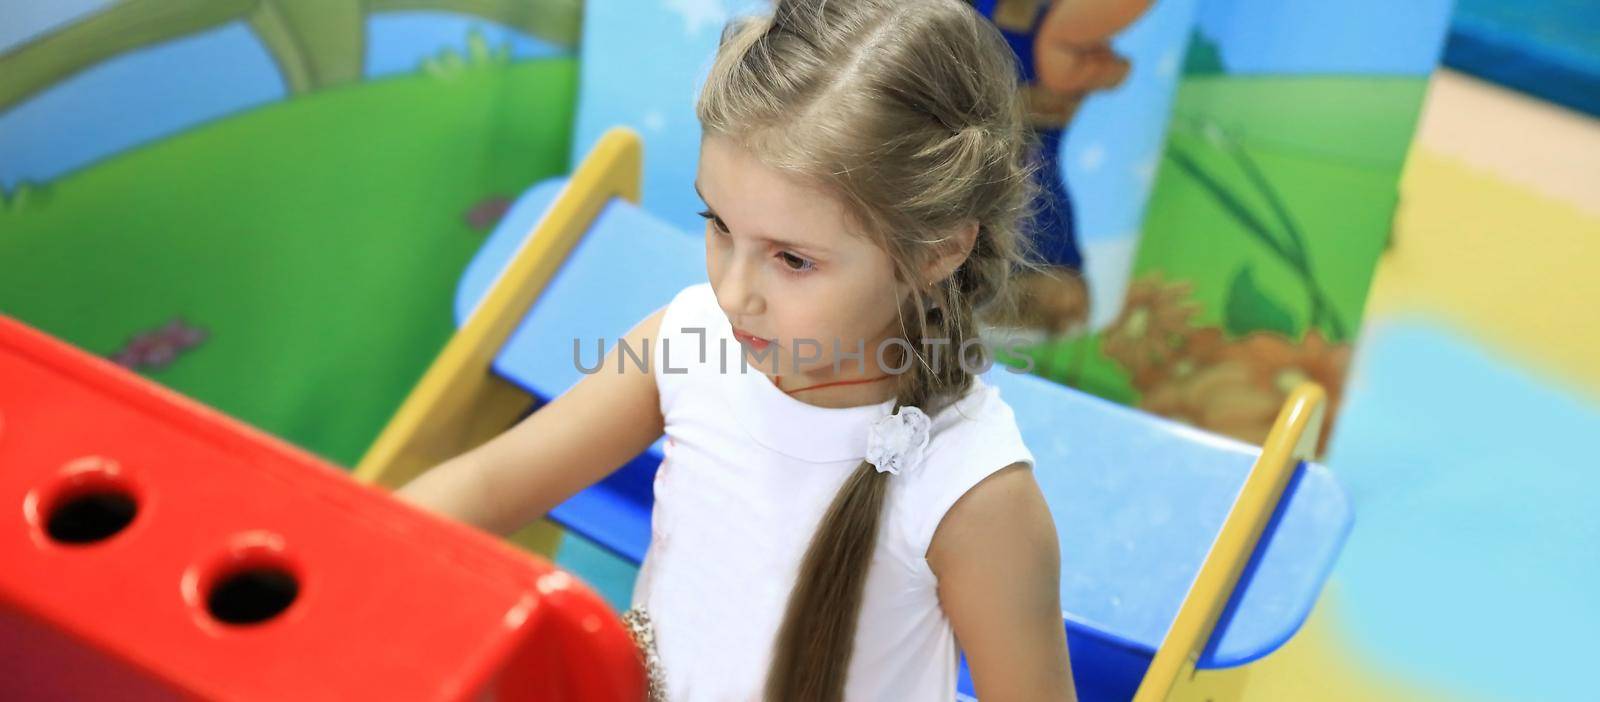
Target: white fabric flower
897 441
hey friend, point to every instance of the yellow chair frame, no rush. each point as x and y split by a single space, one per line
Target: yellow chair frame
460 403
1292 439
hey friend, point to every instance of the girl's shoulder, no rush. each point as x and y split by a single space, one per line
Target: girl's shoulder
697 301
968 441
688 339
692 311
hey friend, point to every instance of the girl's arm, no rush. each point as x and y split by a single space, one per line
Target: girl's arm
583 435
999 568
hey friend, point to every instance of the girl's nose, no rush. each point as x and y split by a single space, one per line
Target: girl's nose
738 292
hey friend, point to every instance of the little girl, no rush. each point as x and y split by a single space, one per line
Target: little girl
842 497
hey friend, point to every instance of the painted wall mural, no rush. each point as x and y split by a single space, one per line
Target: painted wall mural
258 202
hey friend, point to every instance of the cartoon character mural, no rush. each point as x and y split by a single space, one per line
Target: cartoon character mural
1064 53
1271 205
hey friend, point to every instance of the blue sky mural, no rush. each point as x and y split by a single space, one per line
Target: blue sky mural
165 89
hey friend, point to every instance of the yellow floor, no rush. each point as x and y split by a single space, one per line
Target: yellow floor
1499 228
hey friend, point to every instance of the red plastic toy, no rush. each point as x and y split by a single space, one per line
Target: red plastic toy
152 548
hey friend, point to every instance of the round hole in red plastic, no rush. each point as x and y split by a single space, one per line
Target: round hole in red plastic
252 595
251 582
88 501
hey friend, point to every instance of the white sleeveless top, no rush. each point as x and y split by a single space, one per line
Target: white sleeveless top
747 474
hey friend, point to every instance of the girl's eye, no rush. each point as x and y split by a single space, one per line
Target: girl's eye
715 221
791 263
794 263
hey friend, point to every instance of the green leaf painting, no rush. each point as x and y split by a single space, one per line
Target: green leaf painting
1249 309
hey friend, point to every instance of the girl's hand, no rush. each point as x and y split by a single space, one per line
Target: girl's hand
999 568
583 435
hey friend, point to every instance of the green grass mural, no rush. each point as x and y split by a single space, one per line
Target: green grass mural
313 244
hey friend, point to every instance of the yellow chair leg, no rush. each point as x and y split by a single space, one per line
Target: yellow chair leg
1293 438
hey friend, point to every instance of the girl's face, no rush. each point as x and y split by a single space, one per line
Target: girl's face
788 264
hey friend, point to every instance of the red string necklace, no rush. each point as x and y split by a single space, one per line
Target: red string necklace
857 381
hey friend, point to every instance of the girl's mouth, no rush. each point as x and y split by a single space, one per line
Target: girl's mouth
754 342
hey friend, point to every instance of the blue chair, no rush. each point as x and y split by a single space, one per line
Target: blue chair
1180 549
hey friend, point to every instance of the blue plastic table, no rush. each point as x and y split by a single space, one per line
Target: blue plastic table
1137 499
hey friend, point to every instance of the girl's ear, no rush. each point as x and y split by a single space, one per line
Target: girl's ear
953 252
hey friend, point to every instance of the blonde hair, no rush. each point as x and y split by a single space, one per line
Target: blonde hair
909 111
